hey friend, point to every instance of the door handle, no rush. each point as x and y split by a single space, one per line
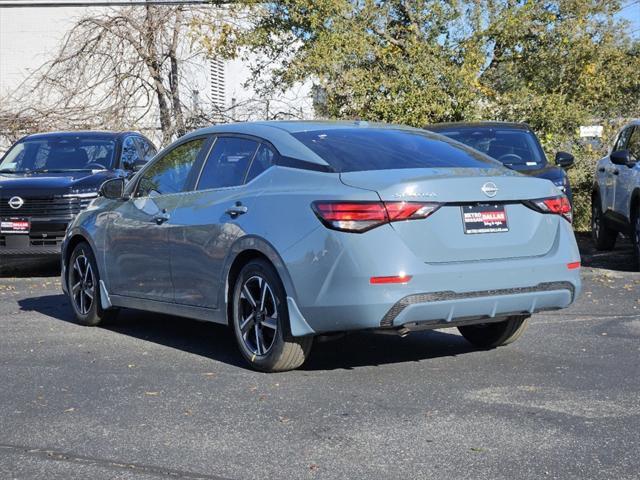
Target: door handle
615 171
161 217
601 169
236 210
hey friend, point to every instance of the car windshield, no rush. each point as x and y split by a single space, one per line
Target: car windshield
515 148
59 153
360 149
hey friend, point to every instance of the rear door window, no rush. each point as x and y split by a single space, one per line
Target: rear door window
130 154
147 150
359 149
227 163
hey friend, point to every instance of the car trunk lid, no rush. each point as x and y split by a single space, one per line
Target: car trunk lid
483 196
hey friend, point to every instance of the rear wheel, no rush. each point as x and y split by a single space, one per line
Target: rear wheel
604 238
261 321
83 286
636 234
492 335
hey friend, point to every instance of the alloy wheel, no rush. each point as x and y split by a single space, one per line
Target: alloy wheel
83 284
257 315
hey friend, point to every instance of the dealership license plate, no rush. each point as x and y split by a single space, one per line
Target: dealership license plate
484 219
15 225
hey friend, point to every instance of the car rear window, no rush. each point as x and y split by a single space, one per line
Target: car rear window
360 149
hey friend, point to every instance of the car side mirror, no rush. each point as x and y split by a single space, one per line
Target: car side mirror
564 160
622 157
112 189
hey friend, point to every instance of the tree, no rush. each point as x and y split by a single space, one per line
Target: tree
397 61
558 65
119 66
554 63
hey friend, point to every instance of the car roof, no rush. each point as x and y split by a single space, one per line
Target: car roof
280 133
81 133
489 124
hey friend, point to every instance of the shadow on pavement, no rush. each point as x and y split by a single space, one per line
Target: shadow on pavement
218 343
369 348
29 267
621 258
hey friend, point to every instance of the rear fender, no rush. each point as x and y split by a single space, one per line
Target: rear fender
259 244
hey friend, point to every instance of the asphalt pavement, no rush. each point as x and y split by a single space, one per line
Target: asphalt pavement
150 396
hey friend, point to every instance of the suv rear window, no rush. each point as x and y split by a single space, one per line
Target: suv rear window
516 148
359 149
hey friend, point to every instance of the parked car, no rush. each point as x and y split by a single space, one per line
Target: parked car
47 179
515 145
287 230
615 201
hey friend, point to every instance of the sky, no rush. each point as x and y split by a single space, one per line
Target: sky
631 12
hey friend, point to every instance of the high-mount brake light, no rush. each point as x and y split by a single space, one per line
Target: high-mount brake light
559 205
362 216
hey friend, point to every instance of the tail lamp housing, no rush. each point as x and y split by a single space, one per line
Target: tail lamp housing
359 217
559 205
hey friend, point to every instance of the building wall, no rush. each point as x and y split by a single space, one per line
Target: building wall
31 36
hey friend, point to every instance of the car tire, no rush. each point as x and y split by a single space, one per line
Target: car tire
261 320
604 238
83 285
636 235
492 335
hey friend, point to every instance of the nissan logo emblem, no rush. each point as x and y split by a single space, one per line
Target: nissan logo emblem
490 189
16 202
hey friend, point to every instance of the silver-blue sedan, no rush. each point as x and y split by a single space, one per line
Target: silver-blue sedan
288 230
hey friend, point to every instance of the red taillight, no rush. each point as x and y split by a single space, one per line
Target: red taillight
573 265
556 205
363 216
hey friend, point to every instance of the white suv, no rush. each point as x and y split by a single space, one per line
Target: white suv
615 201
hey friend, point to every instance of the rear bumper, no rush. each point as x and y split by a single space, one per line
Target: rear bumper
333 290
441 308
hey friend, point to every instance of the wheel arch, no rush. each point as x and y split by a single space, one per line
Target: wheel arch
72 240
242 251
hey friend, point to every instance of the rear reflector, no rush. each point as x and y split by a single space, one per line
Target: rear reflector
395 279
573 265
362 216
556 205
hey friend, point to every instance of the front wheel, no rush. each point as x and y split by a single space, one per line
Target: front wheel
261 321
83 282
492 335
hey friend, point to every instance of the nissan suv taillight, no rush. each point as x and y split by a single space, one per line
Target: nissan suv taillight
359 217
